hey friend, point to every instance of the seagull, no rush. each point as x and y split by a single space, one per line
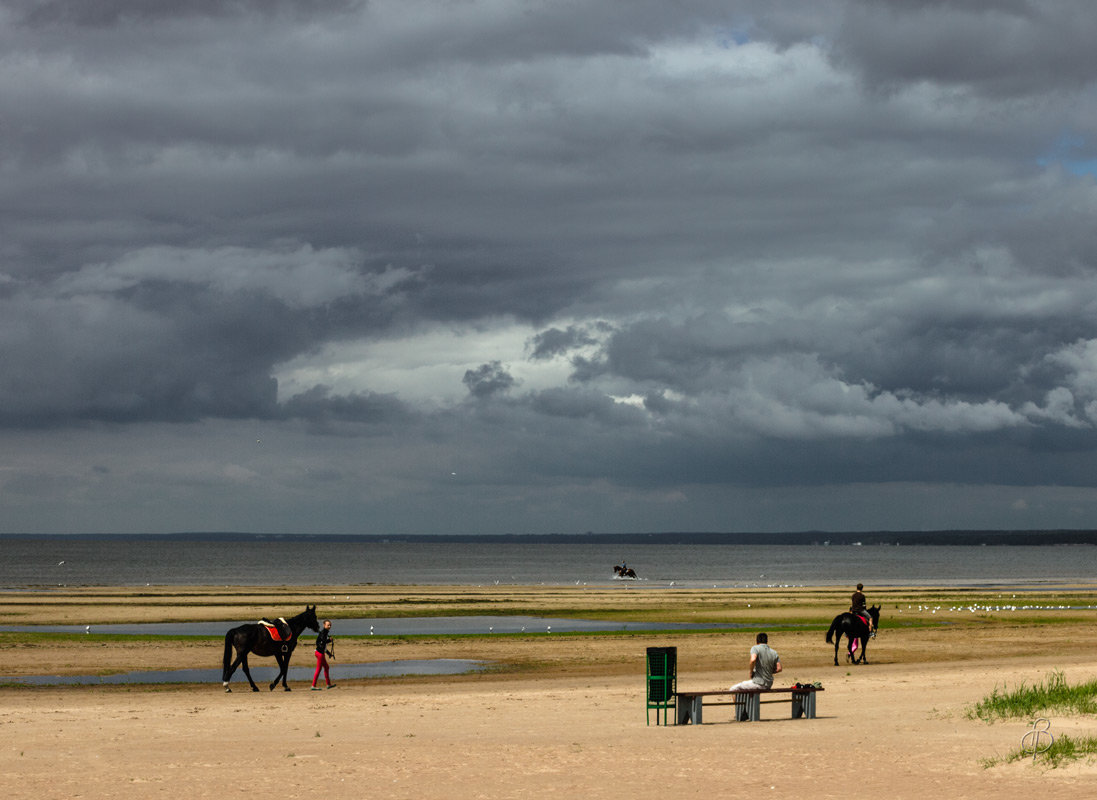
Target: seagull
87 629
59 563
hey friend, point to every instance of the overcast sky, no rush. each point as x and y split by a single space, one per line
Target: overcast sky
483 266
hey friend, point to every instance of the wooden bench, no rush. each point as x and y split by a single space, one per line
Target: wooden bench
689 704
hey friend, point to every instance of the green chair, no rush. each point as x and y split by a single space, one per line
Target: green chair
662 681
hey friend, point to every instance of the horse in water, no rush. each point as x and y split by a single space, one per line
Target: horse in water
853 627
623 571
264 639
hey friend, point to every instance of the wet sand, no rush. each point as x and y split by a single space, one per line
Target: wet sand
560 715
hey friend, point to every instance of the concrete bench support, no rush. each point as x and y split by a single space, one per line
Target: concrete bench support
690 705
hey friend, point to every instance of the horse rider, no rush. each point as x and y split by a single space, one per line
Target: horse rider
859 606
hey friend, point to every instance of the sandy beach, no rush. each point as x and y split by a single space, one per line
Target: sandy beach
558 715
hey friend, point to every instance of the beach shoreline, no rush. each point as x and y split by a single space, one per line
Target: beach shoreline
557 714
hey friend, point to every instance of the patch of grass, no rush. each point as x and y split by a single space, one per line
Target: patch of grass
1054 694
1064 749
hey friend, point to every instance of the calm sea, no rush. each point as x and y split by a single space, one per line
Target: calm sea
121 562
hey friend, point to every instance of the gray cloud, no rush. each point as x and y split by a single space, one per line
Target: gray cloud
569 266
998 48
554 342
488 379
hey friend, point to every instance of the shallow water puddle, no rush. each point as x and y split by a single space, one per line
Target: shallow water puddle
263 674
383 626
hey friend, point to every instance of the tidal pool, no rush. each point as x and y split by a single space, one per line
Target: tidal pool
385 626
263 674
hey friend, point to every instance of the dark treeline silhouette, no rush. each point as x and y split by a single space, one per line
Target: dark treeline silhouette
943 537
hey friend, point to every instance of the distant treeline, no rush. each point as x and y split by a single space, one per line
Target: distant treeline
957 537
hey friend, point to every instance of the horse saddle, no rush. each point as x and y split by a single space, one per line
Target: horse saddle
279 631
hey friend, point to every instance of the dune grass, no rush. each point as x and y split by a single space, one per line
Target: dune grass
1054 694
1063 750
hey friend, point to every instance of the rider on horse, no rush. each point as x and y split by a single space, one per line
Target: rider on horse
859 606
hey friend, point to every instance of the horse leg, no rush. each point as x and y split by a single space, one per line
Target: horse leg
227 674
232 669
860 658
283 668
247 672
278 660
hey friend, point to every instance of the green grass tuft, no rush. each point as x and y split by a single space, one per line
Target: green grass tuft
1065 748
1053 695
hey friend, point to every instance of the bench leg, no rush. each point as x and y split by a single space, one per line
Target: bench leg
754 706
748 705
803 705
684 709
689 711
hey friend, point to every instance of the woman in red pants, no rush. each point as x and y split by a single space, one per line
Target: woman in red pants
325 645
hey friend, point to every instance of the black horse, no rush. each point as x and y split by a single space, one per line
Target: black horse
854 628
258 638
622 571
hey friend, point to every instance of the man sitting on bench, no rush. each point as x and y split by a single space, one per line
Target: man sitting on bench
764 664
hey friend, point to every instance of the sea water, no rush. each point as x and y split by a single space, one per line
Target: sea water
28 562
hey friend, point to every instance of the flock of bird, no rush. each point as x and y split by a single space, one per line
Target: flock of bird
985 609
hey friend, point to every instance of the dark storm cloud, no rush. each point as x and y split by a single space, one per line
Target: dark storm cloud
175 335
327 411
488 379
554 341
99 13
998 48
568 256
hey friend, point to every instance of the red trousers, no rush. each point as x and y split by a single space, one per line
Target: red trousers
321 664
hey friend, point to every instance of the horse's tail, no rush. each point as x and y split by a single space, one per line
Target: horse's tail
833 628
228 655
